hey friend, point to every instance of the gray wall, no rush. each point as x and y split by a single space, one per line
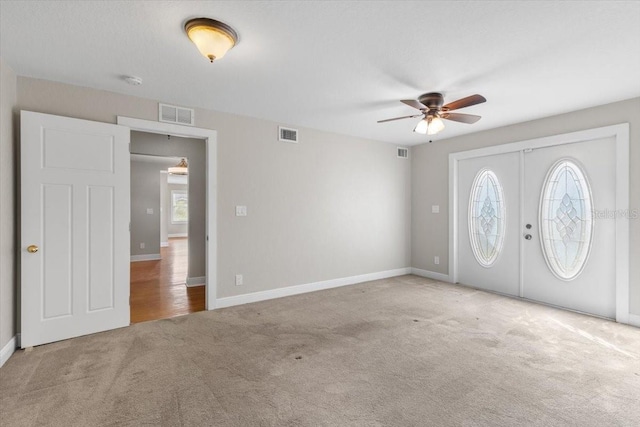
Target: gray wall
331 206
430 179
175 228
194 151
145 193
8 150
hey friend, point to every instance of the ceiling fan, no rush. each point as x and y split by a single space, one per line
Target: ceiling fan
433 111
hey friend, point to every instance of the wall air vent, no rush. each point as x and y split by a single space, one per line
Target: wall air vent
174 114
403 153
287 134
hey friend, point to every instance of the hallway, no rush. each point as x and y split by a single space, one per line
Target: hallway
158 289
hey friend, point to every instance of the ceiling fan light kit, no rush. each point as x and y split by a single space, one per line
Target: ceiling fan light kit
430 125
433 111
212 38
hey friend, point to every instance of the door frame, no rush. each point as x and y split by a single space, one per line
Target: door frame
621 134
211 211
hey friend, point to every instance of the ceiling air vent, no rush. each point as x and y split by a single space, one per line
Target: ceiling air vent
174 114
403 153
288 134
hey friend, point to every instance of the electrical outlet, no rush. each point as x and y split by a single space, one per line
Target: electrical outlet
436 260
241 211
142 245
239 280
435 209
149 211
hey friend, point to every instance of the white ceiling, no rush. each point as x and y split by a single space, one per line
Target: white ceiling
341 66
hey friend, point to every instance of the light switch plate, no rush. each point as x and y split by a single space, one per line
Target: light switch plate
435 209
241 211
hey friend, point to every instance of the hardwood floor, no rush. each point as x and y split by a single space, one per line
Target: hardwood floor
158 289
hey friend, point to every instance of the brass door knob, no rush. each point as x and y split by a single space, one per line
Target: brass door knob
32 249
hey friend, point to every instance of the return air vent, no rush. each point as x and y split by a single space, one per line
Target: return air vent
174 114
287 134
403 153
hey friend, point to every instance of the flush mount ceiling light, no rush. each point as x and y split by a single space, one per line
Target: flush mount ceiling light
212 38
181 168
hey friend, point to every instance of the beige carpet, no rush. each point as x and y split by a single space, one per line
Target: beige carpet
398 352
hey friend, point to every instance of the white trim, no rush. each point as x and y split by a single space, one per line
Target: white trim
431 275
174 235
634 320
164 244
621 134
211 214
195 281
145 257
623 311
308 287
8 350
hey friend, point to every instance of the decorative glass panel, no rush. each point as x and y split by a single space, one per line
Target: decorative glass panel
486 218
566 223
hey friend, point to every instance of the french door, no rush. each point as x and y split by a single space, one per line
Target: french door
530 224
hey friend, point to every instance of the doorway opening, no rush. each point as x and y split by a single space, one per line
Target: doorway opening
167 272
205 154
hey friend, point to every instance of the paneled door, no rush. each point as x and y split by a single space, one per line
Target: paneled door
540 224
74 227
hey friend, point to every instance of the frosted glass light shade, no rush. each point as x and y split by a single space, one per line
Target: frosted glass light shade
212 38
422 126
435 125
430 125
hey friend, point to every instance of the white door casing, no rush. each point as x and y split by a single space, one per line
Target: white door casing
605 147
210 138
75 210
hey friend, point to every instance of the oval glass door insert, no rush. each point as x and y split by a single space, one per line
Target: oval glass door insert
566 222
486 218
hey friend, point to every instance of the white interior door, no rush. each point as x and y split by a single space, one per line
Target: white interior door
570 259
489 222
74 227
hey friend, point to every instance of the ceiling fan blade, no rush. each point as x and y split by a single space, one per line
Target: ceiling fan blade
462 118
398 118
464 102
415 104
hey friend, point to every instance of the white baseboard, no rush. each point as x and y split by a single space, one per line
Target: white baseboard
164 244
195 281
634 320
146 257
308 287
8 350
177 235
430 275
